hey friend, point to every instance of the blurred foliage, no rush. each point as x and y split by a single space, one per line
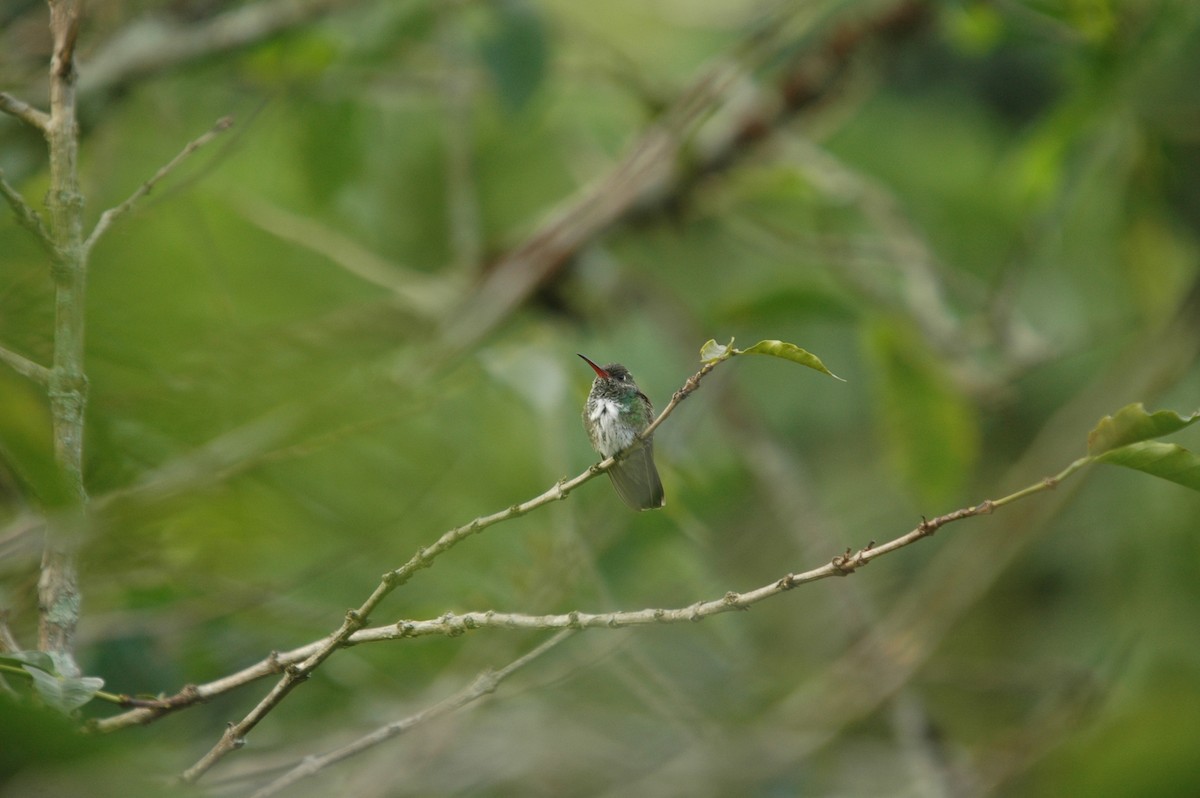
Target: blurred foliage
991 229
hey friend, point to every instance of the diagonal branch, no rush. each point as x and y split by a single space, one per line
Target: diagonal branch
25 367
30 219
155 44
35 117
112 214
484 684
708 127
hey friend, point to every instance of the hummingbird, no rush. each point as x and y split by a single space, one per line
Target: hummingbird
616 411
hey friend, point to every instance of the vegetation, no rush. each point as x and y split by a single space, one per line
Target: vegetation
290 297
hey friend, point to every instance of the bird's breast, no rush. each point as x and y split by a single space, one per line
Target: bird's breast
610 433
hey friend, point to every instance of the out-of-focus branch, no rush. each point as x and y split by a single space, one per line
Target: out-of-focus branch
457 93
28 218
484 684
25 367
419 293
8 643
653 173
156 44
111 215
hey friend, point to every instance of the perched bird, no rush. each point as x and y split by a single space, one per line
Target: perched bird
616 411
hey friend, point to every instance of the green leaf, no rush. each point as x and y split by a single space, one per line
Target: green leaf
1165 460
788 352
1131 424
516 52
714 351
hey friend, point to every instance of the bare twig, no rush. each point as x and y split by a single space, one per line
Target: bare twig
30 219
112 214
484 684
25 367
34 117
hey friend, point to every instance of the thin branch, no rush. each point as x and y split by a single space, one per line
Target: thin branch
112 214
30 219
452 624
153 45
457 91
419 293
356 619
8 643
25 367
484 684
35 117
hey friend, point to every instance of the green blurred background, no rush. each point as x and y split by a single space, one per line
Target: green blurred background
984 215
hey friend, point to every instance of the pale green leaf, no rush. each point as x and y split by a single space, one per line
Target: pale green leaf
1131 424
78 691
66 694
1165 460
789 352
38 659
714 351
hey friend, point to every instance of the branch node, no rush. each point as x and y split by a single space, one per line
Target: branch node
573 621
845 563
454 626
235 740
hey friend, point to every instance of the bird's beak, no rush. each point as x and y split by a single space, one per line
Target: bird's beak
599 371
